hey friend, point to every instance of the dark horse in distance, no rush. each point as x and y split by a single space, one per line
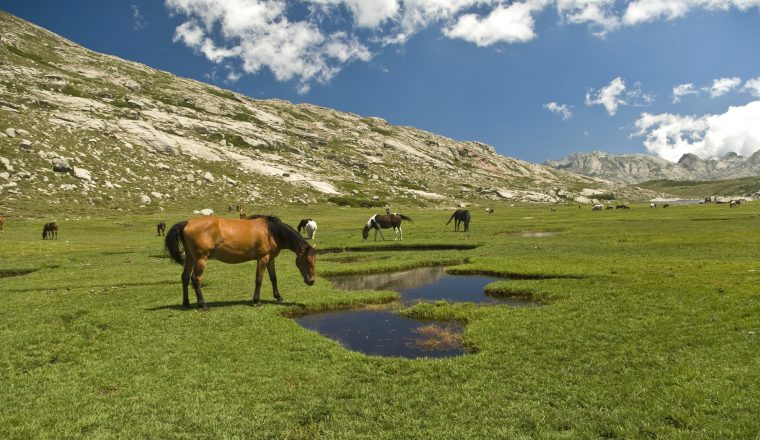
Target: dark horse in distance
161 228
385 221
460 216
50 230
257 237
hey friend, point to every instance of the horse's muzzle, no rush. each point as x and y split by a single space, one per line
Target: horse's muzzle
309 281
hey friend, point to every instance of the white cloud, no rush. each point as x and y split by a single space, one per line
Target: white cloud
316 46
682 90
597 13
721 86
511 24
616 94
643 11
260 35
608 96
752 86
138 21
671 136
560 109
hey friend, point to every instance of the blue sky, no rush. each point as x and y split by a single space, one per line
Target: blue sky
537 79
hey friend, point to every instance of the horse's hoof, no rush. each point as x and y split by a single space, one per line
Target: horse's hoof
278 298
186 305
257 304
203 307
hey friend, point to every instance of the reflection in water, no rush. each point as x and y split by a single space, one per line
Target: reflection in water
428 284
387 334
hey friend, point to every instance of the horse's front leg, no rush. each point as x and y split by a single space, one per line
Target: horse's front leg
273 279
381 234
261 263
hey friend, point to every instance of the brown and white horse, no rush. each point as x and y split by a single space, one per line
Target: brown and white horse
385 221
258 237
310 226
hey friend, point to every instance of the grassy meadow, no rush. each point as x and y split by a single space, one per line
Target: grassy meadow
650 328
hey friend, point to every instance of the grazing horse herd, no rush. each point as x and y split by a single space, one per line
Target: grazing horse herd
193 242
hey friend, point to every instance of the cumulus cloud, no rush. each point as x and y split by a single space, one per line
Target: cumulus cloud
259 34
721 86
671 136
682 90
642 11
560 109
510 24
752 86
599 14
616 94
313 40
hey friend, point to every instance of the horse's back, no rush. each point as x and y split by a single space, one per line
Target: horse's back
228 240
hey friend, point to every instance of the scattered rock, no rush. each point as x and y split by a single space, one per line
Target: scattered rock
209 177
61 165
81 173
26 144
4 175
190 178
10 132
144 199
207 211
157 195
22 132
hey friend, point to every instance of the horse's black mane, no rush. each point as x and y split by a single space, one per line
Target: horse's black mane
283 233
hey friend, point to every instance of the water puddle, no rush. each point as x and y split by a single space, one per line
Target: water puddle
385 333
427 284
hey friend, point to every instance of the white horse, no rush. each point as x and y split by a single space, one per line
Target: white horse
653 205
310 226
597 207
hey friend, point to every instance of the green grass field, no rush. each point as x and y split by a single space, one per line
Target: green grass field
650 329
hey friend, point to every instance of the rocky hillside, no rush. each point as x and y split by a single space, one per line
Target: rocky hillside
85 131
636 168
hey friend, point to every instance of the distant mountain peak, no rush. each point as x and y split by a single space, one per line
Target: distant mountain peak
637 168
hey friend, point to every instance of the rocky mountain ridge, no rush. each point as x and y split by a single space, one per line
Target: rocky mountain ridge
83 130
637 168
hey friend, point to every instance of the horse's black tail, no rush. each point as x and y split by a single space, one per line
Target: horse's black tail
172 242
403 217
452 218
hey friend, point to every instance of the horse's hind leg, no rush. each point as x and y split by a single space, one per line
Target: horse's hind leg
273 280
261 263
186 273
197 278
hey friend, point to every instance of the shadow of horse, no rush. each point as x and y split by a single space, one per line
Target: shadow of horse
180 307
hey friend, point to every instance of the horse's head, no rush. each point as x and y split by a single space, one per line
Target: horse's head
307 263
365 232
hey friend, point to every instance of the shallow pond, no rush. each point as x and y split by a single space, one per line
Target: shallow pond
427 284
384 333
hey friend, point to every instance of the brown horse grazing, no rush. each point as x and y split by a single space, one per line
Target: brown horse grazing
2 222
386 221
51 229
258 237
161 228
460 216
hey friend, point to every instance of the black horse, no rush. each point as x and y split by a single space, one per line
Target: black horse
50 230
161 228
460 216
